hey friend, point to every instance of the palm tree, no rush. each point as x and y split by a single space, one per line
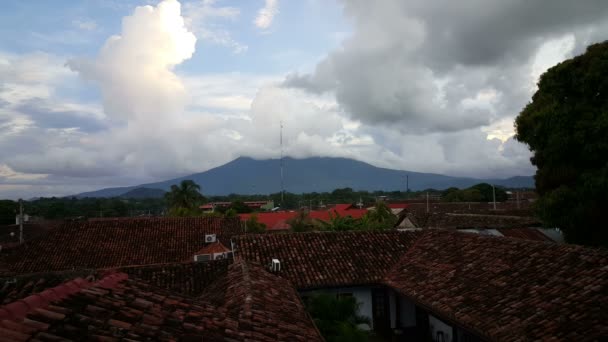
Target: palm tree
185 196
380 217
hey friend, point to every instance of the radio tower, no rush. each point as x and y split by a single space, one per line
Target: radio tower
282 180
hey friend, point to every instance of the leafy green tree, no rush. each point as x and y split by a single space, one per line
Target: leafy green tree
566 128
255 226
8 211
486 192
339 223
240 207
378 218
231 213
337 317
301 222
184 198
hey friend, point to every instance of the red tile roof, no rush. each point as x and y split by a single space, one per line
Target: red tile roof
273 221
508 289
114 243
279 220
215 247
255 305
322 259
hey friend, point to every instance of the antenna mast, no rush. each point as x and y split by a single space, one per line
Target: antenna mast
282 180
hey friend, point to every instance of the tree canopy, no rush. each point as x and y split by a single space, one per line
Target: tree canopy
184 198
566 127
337 317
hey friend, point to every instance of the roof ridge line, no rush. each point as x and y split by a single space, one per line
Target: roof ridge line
425 235
20 308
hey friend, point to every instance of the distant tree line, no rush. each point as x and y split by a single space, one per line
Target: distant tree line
482 192
184 200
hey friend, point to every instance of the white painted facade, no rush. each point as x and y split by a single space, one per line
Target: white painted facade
440 331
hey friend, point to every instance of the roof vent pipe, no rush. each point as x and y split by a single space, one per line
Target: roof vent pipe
275 265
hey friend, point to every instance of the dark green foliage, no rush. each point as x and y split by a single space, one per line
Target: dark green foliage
481 192
339 223
240 207
254 226
302 222
8 211
336 317
379 218
184 198
60 208
566 127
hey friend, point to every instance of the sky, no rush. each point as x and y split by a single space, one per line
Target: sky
101 93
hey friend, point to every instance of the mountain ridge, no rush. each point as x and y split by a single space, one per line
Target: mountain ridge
245 175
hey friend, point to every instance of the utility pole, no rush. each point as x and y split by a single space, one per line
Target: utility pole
427 201
494 196
517 196
20 221
282 180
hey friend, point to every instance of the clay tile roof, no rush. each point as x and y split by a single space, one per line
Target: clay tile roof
215 247
254 306
462 220
30 231
115 243
260 306
508 289
524 233
323 259
185 278
13 288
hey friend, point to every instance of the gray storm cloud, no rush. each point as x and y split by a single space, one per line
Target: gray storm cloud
421 64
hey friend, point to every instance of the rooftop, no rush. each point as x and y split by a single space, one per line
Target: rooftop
508 289
256 305
279 220
115 243
322 259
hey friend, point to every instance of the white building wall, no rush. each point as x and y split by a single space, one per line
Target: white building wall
439 328
363 295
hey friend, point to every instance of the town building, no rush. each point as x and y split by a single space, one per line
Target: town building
138 280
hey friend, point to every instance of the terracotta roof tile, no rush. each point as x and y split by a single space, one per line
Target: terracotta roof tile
279 220
21 286
121 308
508 289
114 243
215 247
525 233
322 259
186 278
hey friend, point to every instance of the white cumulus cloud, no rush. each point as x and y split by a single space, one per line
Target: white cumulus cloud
266 14
135 69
